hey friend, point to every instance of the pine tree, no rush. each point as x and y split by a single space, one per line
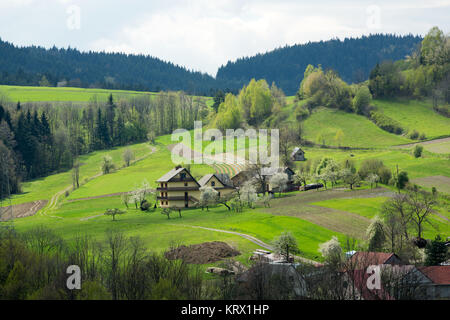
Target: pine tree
436 252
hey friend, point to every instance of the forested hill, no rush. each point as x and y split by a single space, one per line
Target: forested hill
28 66
352 58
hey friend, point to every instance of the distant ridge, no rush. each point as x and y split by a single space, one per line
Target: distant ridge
27 66
352 58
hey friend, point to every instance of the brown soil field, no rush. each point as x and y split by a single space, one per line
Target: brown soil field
21 210
202 253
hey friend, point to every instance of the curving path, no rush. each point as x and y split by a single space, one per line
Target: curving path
250 238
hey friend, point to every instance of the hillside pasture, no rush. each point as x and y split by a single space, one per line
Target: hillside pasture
45 188
158 232
358 131
416 115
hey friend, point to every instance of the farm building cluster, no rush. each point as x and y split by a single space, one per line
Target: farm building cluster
179 189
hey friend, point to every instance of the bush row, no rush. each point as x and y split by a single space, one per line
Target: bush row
385 123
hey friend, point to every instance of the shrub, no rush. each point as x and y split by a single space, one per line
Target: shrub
418 151
145 205
414 135
422 136
362 100
443 110
301 112
369 166
385 175
385 123
107 164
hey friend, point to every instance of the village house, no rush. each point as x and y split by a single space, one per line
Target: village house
298 154
179 189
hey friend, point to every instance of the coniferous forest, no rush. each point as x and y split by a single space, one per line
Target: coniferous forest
351 58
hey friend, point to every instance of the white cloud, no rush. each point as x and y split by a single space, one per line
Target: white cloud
201 34
204 37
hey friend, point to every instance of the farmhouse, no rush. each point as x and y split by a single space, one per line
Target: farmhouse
179 189
298 154
239 178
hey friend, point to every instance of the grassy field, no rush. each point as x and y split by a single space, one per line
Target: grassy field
416 115
358 130
428 165
370 207
442 183
313 217
150 169
45 188
68 94
440 147
158 232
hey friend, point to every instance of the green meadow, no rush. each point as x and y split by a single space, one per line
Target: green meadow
85 217
45 188
312 217
358 131
370 207
69 94
416 115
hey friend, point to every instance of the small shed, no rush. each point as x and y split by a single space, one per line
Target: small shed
298 154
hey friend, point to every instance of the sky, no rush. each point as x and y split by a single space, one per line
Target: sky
202 35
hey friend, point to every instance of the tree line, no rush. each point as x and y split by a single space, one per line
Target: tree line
425 73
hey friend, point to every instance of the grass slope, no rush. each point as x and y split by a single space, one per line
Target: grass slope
358 130
370 207
416 115
45 188
68 94
158 232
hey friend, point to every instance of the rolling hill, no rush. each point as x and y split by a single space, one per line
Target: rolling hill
351 58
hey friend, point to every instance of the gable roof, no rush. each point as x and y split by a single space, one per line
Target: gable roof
296 149
172 173
205 179
437 274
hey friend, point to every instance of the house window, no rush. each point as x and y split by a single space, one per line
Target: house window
182 176
185 184
213 183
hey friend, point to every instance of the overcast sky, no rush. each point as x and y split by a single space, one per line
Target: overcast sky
204 34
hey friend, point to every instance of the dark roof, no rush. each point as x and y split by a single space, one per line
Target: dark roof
205 179
437 274
172 173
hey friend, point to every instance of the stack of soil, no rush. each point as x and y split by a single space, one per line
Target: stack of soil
202 253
